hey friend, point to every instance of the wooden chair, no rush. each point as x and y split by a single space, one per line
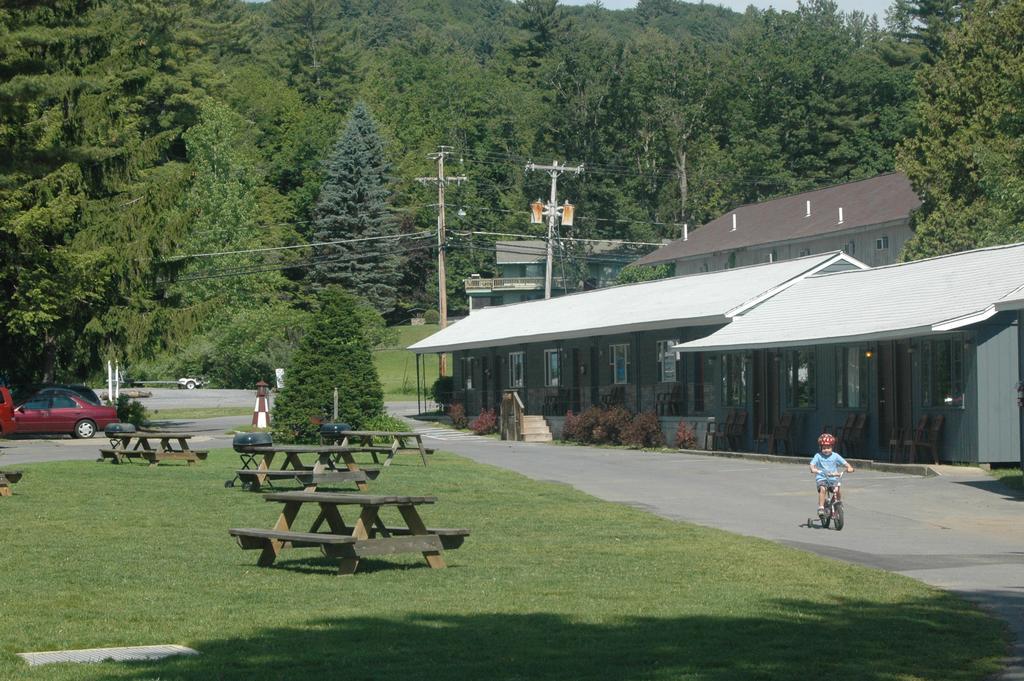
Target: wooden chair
912 435
848 424
738 430
667 403
897 436
782 432
853 439
931 437
615 398
715 437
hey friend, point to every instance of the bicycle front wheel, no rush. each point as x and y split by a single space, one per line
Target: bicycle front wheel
840 521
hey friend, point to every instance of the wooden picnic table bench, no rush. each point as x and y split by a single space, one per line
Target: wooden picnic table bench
257 462
152 446
367 536
8 478
367 441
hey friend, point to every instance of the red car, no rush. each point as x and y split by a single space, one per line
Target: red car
63 412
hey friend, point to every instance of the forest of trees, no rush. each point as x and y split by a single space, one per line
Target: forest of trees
180 178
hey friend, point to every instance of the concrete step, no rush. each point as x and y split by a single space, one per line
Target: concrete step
535 429
537 437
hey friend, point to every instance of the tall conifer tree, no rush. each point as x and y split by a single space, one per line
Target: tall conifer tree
354 203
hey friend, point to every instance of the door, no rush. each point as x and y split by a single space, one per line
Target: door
64 413
594 380
895 389
578 376
33 416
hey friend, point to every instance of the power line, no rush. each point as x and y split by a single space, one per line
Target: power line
418 235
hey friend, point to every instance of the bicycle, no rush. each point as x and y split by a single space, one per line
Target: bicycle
833 503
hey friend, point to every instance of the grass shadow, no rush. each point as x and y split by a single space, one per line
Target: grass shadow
552 647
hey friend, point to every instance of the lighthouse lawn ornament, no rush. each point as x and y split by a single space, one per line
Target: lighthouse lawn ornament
261 413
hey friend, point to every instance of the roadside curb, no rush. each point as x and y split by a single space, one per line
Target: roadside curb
918 469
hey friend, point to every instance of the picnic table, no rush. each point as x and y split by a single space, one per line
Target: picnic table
257 466
367 536
8 478
152 446
369 441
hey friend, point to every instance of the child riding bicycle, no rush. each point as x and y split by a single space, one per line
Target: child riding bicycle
825 465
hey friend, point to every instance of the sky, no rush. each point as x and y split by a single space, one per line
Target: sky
867 6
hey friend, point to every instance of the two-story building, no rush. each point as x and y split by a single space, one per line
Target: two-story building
519 272
869 220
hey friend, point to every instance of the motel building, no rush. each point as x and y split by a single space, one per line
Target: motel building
914 361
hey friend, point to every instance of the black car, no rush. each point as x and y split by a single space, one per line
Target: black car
83 391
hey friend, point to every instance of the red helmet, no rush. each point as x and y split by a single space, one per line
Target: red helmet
827 439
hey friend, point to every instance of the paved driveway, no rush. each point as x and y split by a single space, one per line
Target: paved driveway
959 530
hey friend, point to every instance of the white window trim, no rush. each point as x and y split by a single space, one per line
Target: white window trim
513 380
664 349
552 381
611 361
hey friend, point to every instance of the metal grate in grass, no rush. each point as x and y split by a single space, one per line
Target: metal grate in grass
103 654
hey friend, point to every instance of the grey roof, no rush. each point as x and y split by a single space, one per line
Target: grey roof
897 301
875 201
508 252
692 300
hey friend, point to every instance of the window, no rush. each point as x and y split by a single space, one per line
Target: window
882 243
800 378
63 402
666 361
619 360
701 386
851 377
731 262
943 373
804 251
467 372
735 370
704 266
850 248
552 370
515 369
41 403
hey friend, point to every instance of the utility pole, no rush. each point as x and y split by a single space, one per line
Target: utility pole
442 280
552 210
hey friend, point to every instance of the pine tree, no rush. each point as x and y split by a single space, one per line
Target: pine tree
334 353
354 203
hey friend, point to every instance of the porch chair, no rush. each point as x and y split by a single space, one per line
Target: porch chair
782 432
738 430
897 436
615 398
931 437
913 435
848 424
853 439
667 403
717 434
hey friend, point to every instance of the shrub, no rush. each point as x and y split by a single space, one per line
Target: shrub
571 427
431 317
457 413
644 430
441 391
385 422
686 438
486 423
613 422
131 411
332 354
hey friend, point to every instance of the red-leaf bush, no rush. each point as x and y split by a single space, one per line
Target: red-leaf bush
457 413
486 423
644 430
686 438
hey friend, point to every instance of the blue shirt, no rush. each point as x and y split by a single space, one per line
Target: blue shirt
827 464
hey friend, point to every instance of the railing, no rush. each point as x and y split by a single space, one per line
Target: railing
511 416
511 284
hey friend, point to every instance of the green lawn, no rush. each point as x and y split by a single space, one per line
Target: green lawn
552 585
1010 477
397 366
196 413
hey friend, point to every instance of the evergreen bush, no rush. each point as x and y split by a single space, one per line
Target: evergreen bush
332 354
131 411
431 317
441 391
